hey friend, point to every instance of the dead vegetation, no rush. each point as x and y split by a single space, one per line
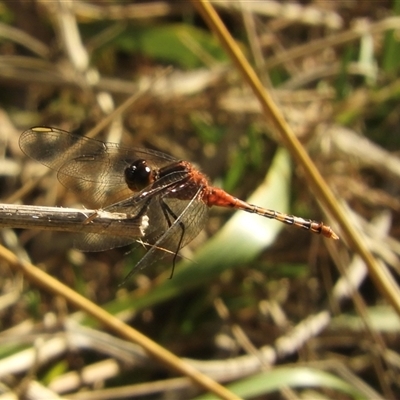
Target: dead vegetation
282 314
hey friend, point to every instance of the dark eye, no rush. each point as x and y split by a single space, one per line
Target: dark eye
138 175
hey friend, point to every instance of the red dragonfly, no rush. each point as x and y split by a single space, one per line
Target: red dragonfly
171 192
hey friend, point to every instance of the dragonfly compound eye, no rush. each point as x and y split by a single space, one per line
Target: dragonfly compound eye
138 175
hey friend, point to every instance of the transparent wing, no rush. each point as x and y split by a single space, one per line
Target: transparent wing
168 231
146 202
91 168
185 221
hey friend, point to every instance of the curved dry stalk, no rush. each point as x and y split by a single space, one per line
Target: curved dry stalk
52 285
379 273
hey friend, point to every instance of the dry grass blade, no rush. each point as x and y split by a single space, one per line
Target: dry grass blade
380 274
47 282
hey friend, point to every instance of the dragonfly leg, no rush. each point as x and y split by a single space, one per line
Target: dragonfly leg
167 214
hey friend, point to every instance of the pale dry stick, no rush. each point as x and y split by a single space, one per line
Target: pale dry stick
367 153
337 39
125 12
380 274
39 277
238 333
308 15
71 38
155 388
35 390
33 70
127 103
78 56
379 349
33 357
100 371
246 344
143 390
28 41
71 220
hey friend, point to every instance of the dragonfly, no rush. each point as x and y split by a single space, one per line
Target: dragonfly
172 193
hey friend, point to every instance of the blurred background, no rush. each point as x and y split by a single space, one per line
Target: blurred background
263 307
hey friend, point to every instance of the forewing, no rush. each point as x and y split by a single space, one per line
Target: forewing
54 147
98 178
92 168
